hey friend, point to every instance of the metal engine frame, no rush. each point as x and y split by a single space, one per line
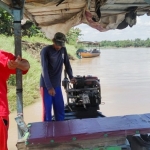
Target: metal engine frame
84 98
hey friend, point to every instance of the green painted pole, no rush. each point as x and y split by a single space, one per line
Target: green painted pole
17 40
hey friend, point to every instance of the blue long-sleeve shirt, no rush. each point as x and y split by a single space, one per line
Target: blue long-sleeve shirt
52 63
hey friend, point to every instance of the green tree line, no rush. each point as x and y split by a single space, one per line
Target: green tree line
126 43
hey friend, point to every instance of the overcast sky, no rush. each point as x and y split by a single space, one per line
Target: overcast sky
140 30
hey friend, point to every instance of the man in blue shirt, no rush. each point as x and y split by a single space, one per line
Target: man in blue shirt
52 59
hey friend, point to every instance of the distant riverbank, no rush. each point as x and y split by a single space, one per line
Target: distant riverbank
126 43
111 47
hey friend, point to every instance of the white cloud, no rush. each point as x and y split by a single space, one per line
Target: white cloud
140 30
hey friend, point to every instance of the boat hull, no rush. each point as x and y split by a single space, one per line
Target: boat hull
88 55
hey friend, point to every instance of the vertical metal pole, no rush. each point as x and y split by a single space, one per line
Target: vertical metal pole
18 51
17 12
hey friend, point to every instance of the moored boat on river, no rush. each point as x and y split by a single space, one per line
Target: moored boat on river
91 49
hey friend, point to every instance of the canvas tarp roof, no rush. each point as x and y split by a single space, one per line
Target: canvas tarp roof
60 15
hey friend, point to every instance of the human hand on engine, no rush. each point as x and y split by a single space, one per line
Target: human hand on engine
73 80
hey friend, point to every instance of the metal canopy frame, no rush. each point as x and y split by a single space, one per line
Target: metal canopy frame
16 10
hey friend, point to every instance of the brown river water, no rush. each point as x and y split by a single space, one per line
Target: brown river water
125 85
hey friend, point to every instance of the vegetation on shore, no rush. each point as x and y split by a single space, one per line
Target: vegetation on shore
31 90
30 81
33 38
34 41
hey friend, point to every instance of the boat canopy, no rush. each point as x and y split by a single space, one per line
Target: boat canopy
60 15
88 45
